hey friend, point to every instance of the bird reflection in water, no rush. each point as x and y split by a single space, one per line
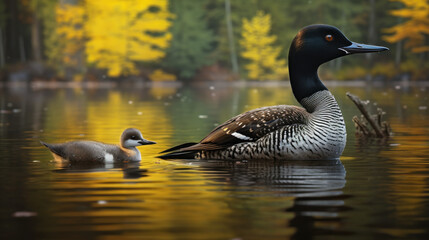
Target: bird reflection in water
131 170
316 187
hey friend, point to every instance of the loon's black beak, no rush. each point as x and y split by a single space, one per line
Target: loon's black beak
362 48
146 142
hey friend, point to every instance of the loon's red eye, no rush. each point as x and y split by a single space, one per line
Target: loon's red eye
329 38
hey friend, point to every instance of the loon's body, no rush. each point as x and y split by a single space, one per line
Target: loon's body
316 131
91 151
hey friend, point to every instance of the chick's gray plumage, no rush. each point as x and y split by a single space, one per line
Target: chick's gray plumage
91 151
79 151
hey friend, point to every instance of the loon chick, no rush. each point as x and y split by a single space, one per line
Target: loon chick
316 131
90 151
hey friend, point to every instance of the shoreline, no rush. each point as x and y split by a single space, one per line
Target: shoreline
36 85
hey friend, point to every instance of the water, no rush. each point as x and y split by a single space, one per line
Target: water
379 189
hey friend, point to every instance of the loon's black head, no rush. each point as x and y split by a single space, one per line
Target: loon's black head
321 43
313 46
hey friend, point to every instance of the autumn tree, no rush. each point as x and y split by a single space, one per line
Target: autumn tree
415 28
191 43
123 33
259 50
69 28
52 48
216 15
52 25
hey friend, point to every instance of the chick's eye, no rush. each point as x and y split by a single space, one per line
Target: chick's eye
133 137
329 38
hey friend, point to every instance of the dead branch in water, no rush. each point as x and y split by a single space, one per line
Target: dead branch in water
380 129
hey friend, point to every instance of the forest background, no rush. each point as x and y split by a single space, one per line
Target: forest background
200 40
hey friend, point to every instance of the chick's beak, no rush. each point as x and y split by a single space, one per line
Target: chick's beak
146 142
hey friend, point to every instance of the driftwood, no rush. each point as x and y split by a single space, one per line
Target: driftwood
369 125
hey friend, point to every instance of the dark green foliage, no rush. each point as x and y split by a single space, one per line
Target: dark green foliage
192 41
287 18
216 17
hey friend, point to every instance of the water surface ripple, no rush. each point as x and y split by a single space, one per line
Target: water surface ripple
379 189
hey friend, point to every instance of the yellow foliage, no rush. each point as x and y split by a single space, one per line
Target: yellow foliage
70 19
414 28
159 75
385 69
356 72
123 32
258 49
78 78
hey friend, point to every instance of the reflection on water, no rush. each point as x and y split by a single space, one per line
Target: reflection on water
188 197
288 178
130 170
383 195
315 185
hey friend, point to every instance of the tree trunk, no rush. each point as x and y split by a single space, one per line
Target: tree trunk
234 61
398 55
371 34
2 59
22 56
35 39
372 21
11 32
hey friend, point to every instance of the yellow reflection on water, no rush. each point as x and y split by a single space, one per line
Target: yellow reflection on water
409 151
159 92
104 120
189 201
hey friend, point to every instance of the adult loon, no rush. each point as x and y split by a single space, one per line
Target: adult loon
316 131
90 151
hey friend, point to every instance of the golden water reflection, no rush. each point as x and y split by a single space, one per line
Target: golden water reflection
195 199
386 186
